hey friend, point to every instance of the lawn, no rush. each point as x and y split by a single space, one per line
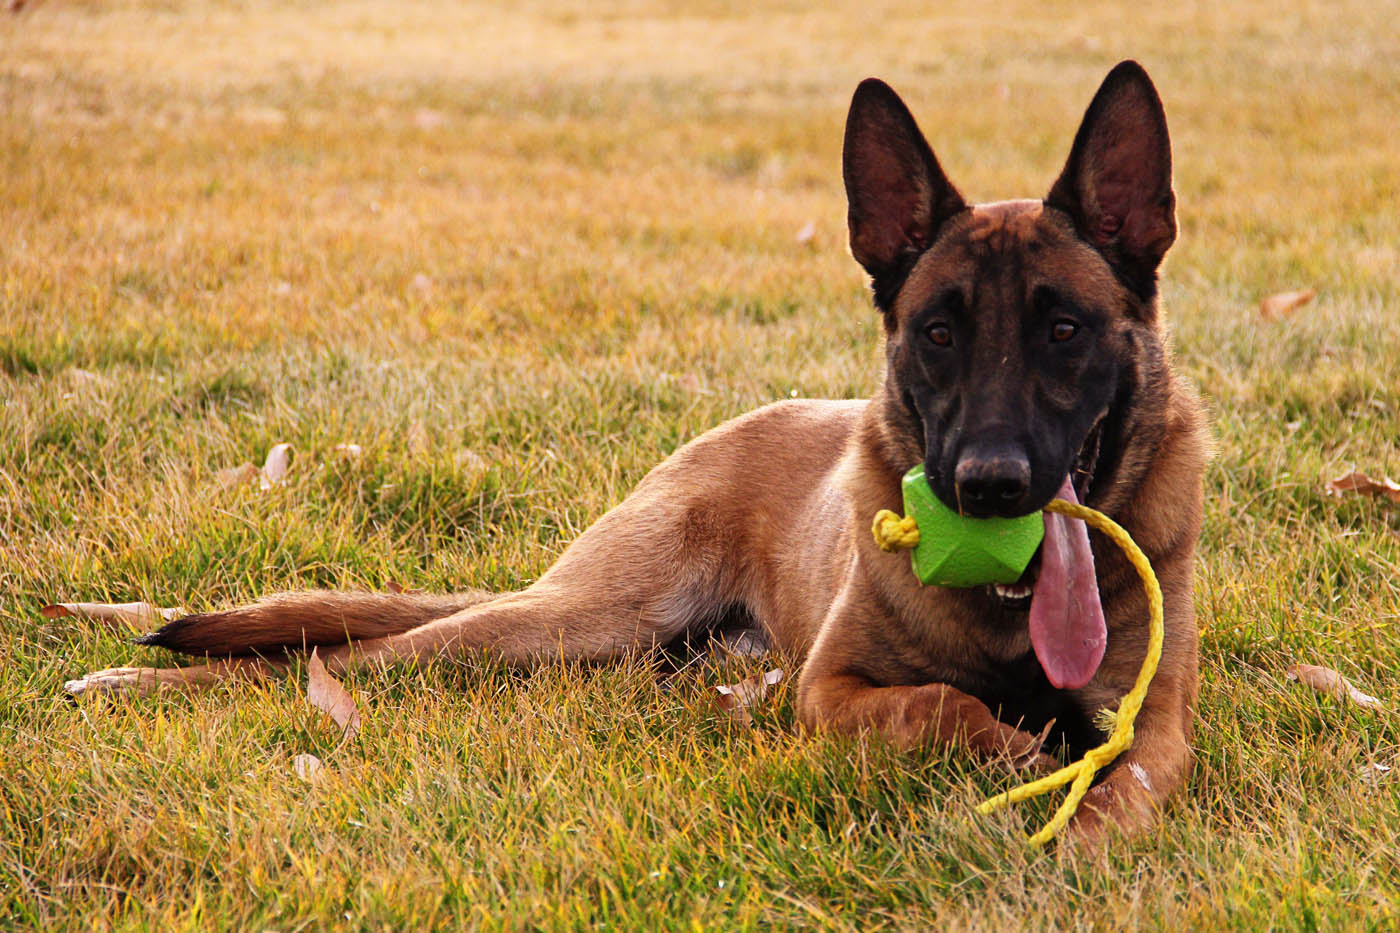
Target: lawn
520 253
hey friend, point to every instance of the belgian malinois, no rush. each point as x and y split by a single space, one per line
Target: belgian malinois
1024 357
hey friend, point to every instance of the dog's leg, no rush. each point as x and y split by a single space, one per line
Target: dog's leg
548 622
917 716
636 580
545 622
840 691
1128 798
144 680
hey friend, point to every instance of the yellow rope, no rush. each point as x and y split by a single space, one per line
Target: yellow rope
893 533
1082 772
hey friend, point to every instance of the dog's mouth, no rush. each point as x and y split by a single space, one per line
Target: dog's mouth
1016 597
1059 590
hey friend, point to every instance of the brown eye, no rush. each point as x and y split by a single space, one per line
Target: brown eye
940 335
1061 331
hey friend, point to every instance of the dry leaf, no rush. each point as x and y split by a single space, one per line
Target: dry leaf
237 476
417 438
1285 303
138 616
326 694
1363 485
808 231
1326 680
398 589
470 461
274 469
84 376
307 767
737 699
427 119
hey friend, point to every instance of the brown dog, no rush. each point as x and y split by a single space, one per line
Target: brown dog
1024 357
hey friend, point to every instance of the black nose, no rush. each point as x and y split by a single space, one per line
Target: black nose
993 482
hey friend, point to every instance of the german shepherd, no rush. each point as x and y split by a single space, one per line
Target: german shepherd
1024 358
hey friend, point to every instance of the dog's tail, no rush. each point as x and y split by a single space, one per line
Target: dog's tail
304 620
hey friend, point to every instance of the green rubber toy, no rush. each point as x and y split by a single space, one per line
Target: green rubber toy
959 550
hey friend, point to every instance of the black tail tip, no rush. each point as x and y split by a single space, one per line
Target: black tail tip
165 636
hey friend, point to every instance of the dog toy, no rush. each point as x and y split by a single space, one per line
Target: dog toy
949 549
994 552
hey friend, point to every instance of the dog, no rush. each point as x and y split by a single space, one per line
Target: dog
1024 357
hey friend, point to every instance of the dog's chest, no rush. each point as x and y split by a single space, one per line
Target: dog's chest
1019 694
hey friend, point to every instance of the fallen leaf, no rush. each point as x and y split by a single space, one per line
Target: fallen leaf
274 469
737 699
808 231
470 461
1326 680
398 589
417 438
263 116
137 616
84 376
326 694
307 767
427 119
237 476
1363 485
1285 303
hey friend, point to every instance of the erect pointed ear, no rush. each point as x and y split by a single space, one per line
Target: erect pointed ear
897 195
1117 184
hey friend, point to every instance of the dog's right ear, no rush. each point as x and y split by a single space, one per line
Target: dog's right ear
897 194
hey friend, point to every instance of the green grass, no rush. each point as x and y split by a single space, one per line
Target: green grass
565 240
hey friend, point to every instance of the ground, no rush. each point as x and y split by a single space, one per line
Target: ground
519 255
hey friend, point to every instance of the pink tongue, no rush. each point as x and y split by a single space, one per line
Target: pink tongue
1067 626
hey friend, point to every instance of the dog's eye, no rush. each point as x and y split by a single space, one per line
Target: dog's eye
1063 330
940 335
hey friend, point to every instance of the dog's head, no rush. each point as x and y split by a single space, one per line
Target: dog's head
1012 328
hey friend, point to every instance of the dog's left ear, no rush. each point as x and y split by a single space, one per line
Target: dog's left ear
1117 184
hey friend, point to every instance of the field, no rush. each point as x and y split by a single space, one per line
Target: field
519 254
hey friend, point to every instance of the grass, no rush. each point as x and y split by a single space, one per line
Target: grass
564 238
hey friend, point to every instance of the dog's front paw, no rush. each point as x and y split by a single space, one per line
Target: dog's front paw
1113 807
139 680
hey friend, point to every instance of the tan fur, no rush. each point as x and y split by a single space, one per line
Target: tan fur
770 513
